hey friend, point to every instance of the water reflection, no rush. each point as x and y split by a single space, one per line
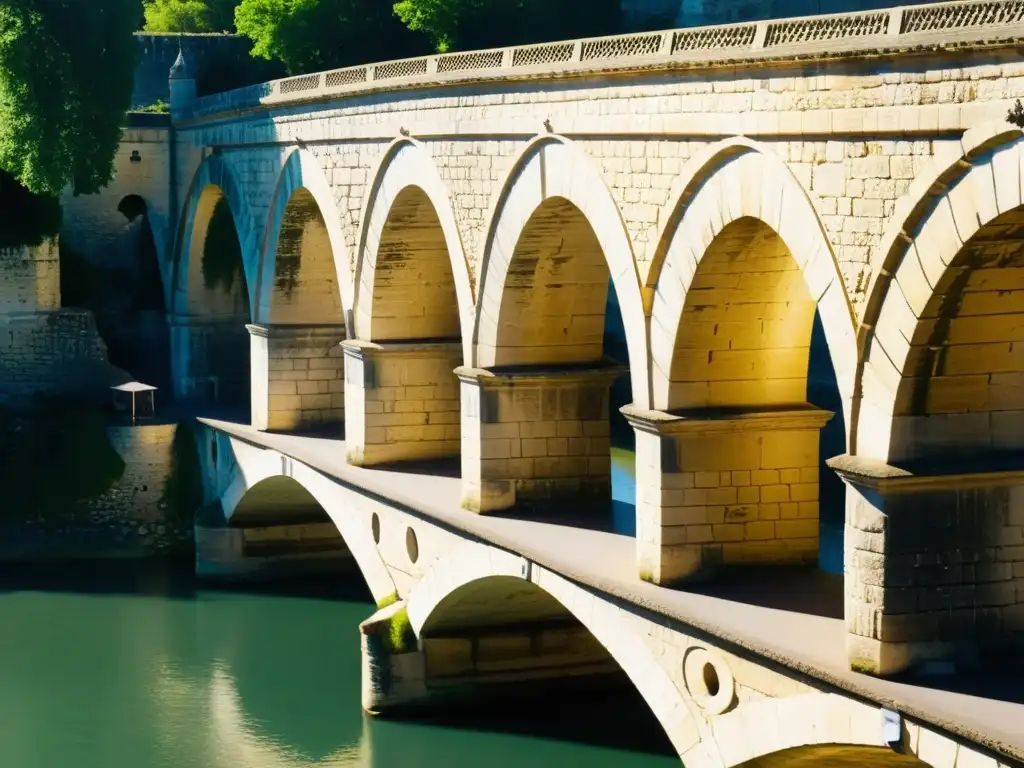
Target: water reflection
127 666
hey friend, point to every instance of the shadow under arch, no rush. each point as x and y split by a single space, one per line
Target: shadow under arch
302 224
473 576
213 180
727 182
408 193
276 476
551 173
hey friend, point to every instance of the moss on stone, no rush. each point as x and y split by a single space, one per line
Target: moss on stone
384 602
401 637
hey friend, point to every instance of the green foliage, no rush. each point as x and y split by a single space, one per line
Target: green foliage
25 219
66 70
313 35
1016 115
222 253
183 489
384 602
470 24
158 108
190 15
53 456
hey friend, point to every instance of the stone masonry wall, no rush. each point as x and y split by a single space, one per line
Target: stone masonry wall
729 498
305 384
52 352
855 134
134 511
403 402
952 570
31 278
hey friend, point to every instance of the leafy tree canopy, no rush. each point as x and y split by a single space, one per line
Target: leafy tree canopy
190 15
469 24
313 35
66 70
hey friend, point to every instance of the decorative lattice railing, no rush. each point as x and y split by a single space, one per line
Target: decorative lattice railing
901 28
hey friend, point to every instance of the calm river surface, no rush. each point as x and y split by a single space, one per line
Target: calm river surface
106 665
134 665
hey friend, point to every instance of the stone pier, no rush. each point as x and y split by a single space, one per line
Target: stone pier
297 376
725 487
401 401
535 433
934 563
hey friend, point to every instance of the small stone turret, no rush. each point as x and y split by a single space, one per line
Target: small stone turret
182 85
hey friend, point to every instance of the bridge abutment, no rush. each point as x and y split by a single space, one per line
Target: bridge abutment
725 487
209 358
297 378
933 565
535 434
401 401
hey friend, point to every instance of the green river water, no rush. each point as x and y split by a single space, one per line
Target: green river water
109 665
135 665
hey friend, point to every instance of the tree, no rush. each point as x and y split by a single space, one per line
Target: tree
469 24
313 35
190 15
66 71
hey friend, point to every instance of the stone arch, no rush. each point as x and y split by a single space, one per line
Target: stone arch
943 364
408 204
303 274
271 470
472 566
553 185
213 181
740 189
474 574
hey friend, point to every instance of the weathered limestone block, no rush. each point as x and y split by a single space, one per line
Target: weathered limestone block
401 400
535 434
725 487
209 358
934 563
297 377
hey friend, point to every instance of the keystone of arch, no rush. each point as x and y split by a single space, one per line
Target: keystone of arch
301 171
253 465
217 172
407 163
730 180
552 166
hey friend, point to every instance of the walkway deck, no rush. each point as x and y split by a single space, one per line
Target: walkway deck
793 618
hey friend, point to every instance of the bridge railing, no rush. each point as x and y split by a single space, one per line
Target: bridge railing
922 27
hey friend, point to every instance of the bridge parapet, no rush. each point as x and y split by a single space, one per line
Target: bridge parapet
900 29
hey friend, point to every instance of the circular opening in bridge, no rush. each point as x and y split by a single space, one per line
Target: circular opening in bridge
375 527
411 545
710 677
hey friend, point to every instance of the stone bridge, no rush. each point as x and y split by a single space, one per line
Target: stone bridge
808 227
